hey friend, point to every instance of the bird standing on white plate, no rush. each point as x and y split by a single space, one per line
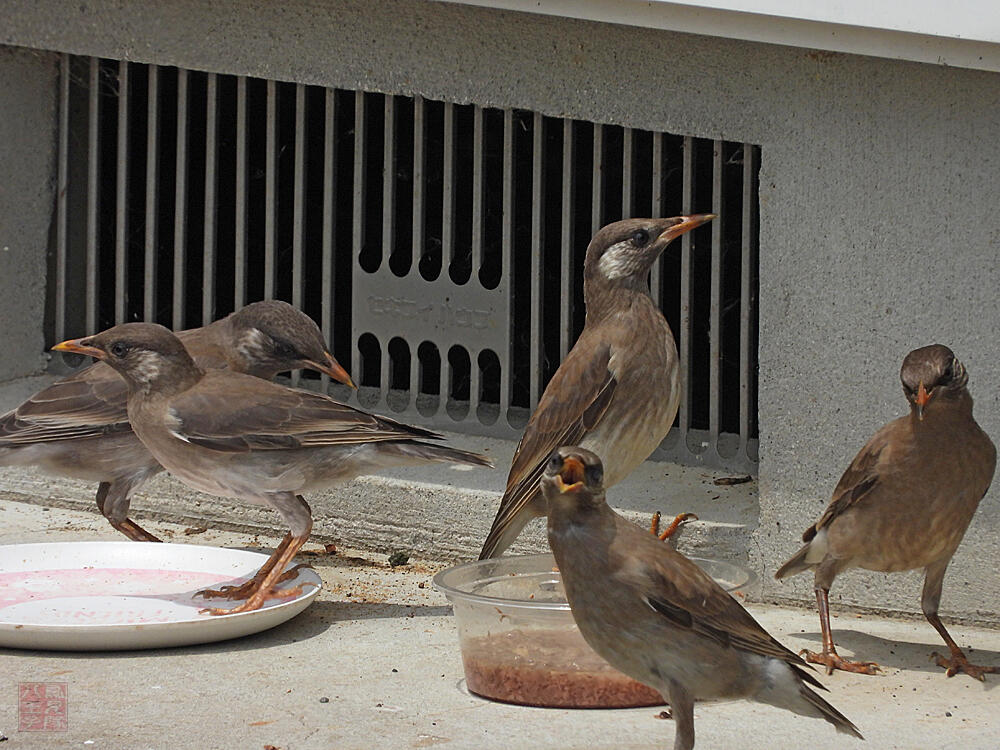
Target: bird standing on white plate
234 435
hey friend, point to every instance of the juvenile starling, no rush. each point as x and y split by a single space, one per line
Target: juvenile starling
656 616
905 501
78 426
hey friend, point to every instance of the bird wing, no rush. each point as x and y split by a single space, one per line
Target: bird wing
679 590
860 478
690 599
89 403
231 412
573 402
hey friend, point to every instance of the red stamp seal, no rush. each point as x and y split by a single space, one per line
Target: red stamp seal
42 706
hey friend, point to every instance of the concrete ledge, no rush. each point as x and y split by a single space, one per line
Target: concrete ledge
436 512
444 520
440 513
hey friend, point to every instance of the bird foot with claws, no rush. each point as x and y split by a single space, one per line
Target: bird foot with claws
247 589
958 663
256 601
832 660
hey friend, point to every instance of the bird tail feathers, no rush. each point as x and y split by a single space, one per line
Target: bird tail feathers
829 713
421 451
785 687
503 533
797 564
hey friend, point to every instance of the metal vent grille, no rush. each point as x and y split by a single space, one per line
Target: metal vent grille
439 244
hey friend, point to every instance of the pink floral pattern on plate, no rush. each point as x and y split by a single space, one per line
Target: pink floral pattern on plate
104 595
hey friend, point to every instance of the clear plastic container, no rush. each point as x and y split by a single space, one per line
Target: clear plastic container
519 641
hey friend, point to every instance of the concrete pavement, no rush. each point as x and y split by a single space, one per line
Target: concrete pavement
374 663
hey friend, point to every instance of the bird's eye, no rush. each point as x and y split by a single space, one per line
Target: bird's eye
640 238
118 349
555 463
284 350
595 475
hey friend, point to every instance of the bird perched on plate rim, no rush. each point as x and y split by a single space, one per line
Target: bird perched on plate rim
234 435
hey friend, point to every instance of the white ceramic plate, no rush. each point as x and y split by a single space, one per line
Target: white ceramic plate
97 596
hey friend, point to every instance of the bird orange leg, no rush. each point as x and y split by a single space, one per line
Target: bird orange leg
829 657
958 661
275 565
134 531
681 518
247 588
128 527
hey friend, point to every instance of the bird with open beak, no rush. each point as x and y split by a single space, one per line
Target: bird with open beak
656 616
78 426
231 434
905 501
618 390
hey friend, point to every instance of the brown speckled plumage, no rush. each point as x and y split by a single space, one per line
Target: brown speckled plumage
906 499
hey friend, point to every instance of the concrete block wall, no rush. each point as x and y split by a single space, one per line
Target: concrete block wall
878 217
28 119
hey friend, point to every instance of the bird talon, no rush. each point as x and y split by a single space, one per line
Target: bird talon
227 592
832 660
213 611
249 587
959 663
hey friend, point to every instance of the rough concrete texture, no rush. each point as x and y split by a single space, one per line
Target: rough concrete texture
877 201
27 193
435 511
381 647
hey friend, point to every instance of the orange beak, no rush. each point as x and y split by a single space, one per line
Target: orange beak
686 225
332 368
922 398
570 476
75 346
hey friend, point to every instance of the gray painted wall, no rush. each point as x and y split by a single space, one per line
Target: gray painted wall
878 218
28 80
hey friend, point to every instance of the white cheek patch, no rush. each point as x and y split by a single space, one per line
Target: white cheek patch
619 261
147 367
251 344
